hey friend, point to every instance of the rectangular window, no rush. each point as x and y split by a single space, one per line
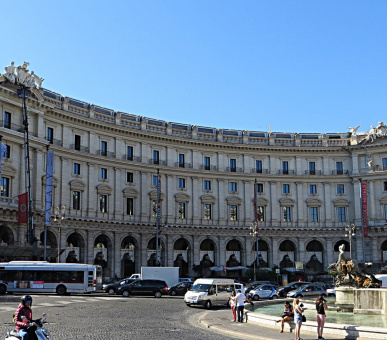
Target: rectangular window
340 189
313 189
76 200
285 167
129 206
207 163
103 173
207 211
233 165
77 142
5 182
181 183
182 210
7 120
7 152
103 204
103 148
129 153
260 188
285 188
50 135
207 185
154 208
339 168
233 212
313 214
287 213
129 177
384 163
341 214
261 213
385 186
233 187
181 160
77 169
312 168
155 180
156 157
258 166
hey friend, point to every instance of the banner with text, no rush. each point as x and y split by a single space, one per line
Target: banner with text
22 216
364 208
49 175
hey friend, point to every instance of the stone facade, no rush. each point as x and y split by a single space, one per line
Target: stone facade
105 163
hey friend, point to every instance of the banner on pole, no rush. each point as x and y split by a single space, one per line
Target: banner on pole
22 216
49 176
364 208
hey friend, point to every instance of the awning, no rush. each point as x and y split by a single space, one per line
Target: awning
27 251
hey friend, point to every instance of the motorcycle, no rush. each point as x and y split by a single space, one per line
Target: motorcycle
36 331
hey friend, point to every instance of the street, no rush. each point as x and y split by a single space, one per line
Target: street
102 317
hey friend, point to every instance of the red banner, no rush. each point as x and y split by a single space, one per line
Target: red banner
364 208
22 216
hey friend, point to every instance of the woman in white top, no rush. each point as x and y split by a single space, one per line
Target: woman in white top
233 305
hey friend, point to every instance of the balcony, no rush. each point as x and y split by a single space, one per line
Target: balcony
340 172
313 172
183 165
106 154
260 171
157 162
286 172
231 169
17 128
79 148
131 158
209 167
54 141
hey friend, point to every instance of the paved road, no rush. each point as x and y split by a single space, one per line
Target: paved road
104 317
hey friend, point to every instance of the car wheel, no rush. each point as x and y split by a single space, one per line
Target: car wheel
111 291
255 297
208 304
125 293
172 292
158 294
61 290
274 297
188 305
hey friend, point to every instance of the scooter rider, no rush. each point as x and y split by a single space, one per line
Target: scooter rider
23 317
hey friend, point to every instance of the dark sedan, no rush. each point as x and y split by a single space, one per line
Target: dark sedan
180 289
111 288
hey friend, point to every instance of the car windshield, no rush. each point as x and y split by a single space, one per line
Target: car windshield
301 288
201 287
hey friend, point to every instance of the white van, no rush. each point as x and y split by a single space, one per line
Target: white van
209 292
383 278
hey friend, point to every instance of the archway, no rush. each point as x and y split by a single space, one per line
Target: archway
75 245
102 249
384 251
181 254
152 253
263 256
207 257
314 255
128 255
287 251
51 245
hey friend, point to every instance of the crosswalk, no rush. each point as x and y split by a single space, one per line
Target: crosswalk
11 307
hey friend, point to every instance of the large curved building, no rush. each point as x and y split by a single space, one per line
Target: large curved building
105 175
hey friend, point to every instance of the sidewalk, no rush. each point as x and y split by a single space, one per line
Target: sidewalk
219 321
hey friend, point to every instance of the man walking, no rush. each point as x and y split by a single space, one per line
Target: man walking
240 302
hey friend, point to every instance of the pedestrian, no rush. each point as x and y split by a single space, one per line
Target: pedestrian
240 303
287 315
23 317
298 310
321 306
233 305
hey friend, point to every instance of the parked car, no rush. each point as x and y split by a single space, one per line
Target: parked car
111 288
283 292
157 288
308 290
264 292
254 285
331 292
180 289
185 279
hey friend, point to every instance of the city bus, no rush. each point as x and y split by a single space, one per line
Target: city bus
46 277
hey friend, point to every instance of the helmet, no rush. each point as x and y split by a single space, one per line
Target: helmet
25 299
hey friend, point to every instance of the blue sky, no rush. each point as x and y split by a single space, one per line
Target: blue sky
297 66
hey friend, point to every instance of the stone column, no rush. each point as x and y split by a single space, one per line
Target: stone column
329 258
196 249
170 204
274 251
170 251
64 190
300 218
355 164
248 207
371 195
222 214
274 205
196 204
118 207
145 202
221 252
298 166
116 255
375 251
327 203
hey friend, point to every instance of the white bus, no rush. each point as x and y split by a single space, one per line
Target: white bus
46 277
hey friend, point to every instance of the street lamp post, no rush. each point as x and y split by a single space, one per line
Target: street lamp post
254 233
60 214
350 231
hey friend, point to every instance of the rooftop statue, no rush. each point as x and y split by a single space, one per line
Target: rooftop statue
375 132
348 273
22 75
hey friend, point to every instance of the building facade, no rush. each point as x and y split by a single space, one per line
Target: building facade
105 177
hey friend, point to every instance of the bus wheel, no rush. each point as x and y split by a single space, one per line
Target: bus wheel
61 290
3 289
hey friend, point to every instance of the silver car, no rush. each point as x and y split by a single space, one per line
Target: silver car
308 290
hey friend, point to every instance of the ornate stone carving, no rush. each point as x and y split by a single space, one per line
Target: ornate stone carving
375 132
22 75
